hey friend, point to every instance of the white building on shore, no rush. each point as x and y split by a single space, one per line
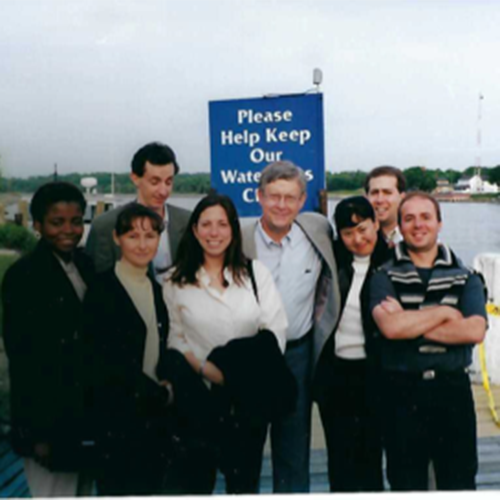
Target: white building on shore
475 185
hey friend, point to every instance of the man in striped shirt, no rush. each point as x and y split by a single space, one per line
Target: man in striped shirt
430 311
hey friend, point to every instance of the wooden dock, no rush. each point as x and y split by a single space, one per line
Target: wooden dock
13 483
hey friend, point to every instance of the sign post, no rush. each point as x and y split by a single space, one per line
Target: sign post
248 134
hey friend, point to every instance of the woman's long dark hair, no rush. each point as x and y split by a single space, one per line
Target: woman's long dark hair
189 256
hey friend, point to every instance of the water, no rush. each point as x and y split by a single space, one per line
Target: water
468 228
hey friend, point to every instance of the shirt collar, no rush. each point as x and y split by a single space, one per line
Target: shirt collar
290 238
394 236
443 258
203 277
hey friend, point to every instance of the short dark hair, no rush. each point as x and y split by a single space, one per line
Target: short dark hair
424 196
389 171
55 192
155 153
133 211
189 256
351 211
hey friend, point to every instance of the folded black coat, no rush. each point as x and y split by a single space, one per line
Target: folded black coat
256 377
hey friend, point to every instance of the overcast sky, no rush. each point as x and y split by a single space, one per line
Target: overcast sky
85 83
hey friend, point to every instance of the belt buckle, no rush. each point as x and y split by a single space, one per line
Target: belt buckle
428 375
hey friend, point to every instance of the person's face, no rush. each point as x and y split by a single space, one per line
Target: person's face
62 226
419 225
281 202
361 239
140 244
213 231
155 185
385 198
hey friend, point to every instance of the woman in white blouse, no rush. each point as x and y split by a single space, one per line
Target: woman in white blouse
212 301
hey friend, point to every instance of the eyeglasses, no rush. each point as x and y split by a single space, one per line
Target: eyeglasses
288 199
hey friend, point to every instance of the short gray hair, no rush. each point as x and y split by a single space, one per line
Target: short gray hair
282 170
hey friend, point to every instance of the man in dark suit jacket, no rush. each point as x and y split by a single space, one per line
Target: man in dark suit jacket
153 169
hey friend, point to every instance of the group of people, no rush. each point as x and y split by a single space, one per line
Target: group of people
168 348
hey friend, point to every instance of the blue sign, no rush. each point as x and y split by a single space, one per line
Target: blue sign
248 134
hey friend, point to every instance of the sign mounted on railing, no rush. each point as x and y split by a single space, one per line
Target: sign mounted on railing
248 134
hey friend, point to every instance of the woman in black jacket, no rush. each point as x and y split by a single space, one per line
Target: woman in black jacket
346 379
125 330
42 297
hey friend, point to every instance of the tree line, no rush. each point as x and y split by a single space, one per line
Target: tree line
420 178
199 183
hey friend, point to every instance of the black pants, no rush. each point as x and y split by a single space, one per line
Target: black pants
132 481
132 468
352 428
429 419
232 443
235 448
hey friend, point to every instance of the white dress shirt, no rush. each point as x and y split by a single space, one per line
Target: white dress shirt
394 237
295 266
74 276
202 318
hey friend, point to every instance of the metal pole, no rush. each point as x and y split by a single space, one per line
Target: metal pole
479 116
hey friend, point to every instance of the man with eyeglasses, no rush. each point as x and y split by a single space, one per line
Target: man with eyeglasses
297 249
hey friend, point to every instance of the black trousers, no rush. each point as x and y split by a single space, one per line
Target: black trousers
352 428
429 418
132 468
235 448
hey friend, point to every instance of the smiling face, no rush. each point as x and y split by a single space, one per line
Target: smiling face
62 226
361 239
281 202
420 225
155 185
140 244
213 232
385 198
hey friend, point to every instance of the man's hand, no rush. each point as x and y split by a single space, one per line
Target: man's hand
469 330
452 314
396 323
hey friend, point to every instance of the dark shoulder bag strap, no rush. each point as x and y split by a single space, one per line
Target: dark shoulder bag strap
252 279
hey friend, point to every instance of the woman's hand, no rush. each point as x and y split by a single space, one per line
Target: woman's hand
206 369
212 373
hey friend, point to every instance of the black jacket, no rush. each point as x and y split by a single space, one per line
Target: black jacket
344 260
257 380
42 334
124 405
